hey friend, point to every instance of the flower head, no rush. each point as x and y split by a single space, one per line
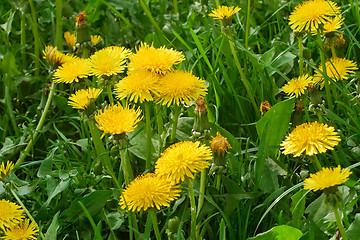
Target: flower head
311 138
95 39
220 144
297 85
140 85
147 191
6 169
183 159
22 231
336 68
81 99
224 12
72 71
117 120
10 214
333 25
53 56
326 178
70 39
181 86
311 15
109 61
157 60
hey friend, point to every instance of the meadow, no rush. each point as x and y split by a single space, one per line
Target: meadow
180 120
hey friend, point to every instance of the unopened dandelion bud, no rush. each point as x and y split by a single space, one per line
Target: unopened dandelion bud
314 94
298 115
219 147
82 29
201 121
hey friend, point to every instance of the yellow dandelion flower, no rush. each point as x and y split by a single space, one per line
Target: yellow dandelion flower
140 86
70 39
109 61
183 159
297 85
326 178
158 60
53 56
82 98
312 14
224 12
72 71
95 39
10 214
311 137
219 144
333 25
148 191
117 120
24 231
6 169
336 69
179 86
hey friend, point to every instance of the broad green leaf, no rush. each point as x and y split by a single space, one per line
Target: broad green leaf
282 232
51 233
353 232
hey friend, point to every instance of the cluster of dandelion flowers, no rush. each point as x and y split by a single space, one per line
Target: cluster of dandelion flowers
297 85
336 68
148 191
6 169
179 87
183 159
327 178
72 71
116 119
109 61
311 138
26 230
224 12
140 85
81 99
157 60
10 214
312 14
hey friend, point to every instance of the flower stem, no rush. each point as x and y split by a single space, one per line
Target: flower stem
59 33
202 190
301 62
175 121
247 27
316 162
154 220
192 209
38 127
160 124
111 99
218 181
148 136
35 30
126 166
339 223
26 211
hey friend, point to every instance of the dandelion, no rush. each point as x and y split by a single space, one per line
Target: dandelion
117 120
148 191
70 39
312 14
336 69
182 160
95 39
297 85
311 138
219 144
326 178
72 71
333 25
179 87
54 57
10 214
224 12
22 231
140 85
157 60
81 99
108 61
6 169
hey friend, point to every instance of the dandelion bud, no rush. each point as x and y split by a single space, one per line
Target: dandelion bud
219 147
298 115
5 170
82 29
314 94
201 121
264 107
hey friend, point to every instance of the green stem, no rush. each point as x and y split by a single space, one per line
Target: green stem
148 136
319 114
27 212
39 126
86 52
316 163
202 190
176 9
101 152
9 106
160 125
59 32
35 30
192 209
218 181
301 62
126 166
339 224
333 51
176 114
247 27
23 40
109 92
244 80
327 84
154 220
